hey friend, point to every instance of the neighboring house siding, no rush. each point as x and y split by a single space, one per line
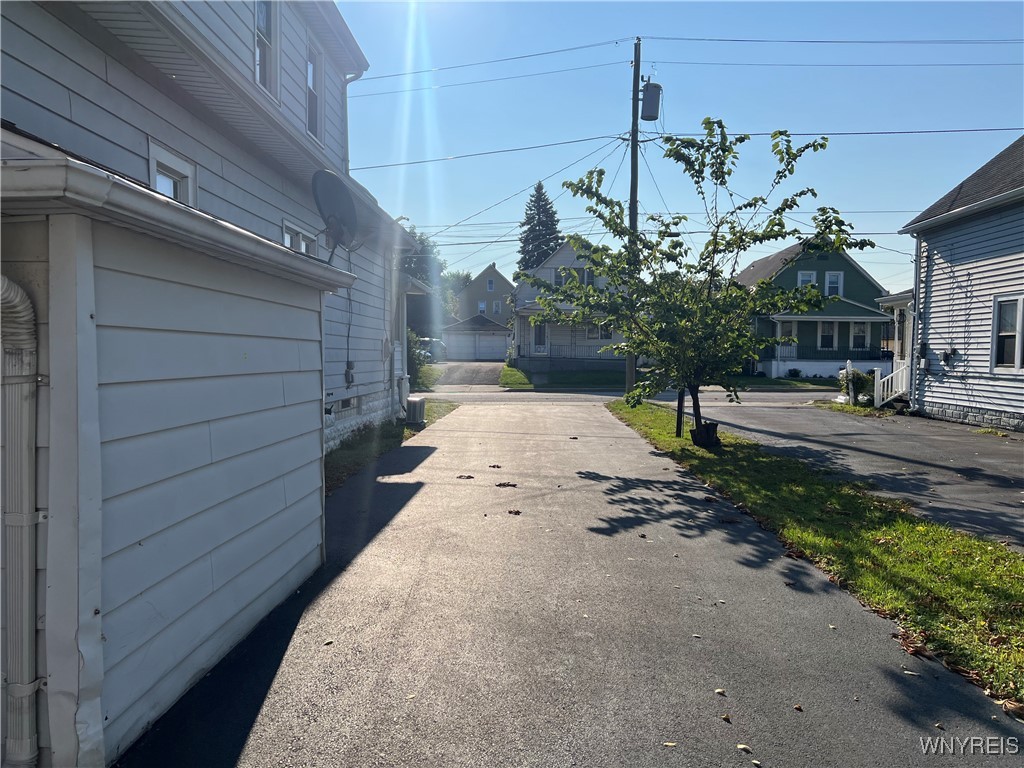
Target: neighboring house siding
964 266
213 417
24 248
476 291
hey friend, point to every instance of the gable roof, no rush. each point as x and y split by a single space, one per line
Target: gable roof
492 267
476 323
770 266
1003 174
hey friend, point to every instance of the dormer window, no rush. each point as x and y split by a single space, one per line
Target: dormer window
266 44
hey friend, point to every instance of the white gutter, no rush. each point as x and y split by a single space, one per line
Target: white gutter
968 210
19 520
28 180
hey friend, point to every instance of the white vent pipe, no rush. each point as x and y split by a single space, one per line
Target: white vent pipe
19 521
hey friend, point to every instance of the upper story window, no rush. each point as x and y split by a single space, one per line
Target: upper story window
1008 333
481 307
806 278
314 90
833 283
171 174
496 307
266 44
586 276
490 286
299 239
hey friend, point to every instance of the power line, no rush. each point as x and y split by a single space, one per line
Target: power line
488 152
1006 41
488 80
498 61
658 136
659 62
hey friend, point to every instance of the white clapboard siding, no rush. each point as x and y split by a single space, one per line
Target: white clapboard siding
967 264
211 432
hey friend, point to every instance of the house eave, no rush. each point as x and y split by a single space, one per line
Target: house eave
50 185
1013 196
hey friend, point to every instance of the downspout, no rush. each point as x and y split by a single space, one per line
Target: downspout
916 332
19 520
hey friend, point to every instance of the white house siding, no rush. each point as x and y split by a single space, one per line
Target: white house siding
964 265
61 87
24 248
210 403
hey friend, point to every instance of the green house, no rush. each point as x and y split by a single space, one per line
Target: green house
850 327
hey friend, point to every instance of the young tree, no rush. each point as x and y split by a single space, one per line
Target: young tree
453 281
677 305
424 263
539 236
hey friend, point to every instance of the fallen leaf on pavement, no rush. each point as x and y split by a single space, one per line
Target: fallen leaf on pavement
744 748
668 744
940 726
642 535
798 708
505 485
574 438
697 636
494 466
727 718
709 498
832 626
908 672
411 696
789 583
464 477
720 691
328 642
514 512
756 763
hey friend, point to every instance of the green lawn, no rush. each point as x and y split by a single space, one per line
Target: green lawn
855 410
366 444
429 374
960 596
757 382
513 378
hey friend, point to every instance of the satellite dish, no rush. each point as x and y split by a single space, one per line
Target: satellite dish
337 208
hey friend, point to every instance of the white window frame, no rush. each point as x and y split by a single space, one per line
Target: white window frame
1018 363
273 68
782 334
496 307
839 287
163 161
867 334
835 330
490 285
481 307
806 277
290 229
314 50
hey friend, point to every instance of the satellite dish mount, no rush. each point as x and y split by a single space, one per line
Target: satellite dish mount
337 208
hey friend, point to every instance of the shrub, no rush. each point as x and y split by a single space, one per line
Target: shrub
794 373
863 384
416 359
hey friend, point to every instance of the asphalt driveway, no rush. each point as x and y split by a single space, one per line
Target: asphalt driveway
470 374
529 584
949 472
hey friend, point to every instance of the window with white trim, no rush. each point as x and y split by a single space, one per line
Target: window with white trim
1008 333
266 45
481 307
496 307
826 334
602 331
833 283
858 335
299 239
806 278
490 286
786 330
171 174
314 91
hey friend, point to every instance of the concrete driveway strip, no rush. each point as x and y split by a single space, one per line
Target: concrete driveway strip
583 615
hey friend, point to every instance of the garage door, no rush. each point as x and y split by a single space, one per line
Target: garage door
461 346
491 346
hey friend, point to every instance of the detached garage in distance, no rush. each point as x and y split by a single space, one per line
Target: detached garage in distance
477 338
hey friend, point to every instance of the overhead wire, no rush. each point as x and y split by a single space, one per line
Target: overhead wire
793 41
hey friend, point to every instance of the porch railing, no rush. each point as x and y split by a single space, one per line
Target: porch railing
892 386
811 352
580 351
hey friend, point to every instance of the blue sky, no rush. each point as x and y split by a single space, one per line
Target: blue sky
880 182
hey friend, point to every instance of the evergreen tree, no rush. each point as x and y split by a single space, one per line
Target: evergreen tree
539 236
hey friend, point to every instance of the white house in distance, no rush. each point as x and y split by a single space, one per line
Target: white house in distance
482 332
172 338
968 352
540 347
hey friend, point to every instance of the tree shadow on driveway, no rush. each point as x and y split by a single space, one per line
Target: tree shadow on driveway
694 511
210 725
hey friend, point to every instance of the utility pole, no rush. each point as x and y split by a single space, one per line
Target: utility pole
634 158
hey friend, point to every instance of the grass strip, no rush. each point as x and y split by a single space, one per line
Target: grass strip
428 376
854 410
367 443
764 382
955 595
513 378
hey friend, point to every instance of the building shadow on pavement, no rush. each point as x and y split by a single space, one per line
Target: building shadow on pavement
209 726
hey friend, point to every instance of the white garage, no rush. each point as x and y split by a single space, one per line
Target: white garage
477 338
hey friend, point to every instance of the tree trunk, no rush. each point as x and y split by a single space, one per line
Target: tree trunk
704 433
698 422
680 403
